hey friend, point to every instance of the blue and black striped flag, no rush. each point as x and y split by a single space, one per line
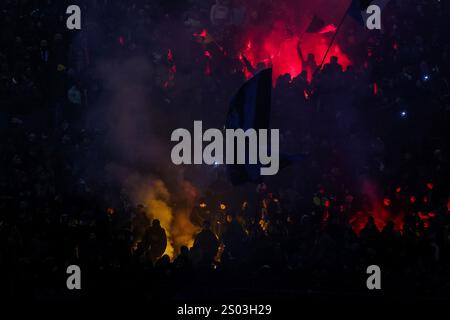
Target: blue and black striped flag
250 109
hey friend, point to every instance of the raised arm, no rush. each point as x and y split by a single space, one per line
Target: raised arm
300 53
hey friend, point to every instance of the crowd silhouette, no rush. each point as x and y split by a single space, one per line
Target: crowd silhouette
374 189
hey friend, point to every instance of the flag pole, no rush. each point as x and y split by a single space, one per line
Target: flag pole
332 41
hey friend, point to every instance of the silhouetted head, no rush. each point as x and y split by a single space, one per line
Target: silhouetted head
370 222
206 224
334 60
184 250
156 223
164 260
284 80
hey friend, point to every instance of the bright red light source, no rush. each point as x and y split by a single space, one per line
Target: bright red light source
208 54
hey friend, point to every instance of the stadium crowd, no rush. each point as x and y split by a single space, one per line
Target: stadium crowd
382 122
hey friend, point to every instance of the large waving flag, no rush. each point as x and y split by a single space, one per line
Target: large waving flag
250 109
317 25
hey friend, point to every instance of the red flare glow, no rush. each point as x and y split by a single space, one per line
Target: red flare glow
279 50
202 34
169 56
425 218
422 216
208 54
172 70
122 41
328 28
379 212
358 221
305 92
325 217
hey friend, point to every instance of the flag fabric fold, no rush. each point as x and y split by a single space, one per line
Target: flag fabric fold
250 109
317 25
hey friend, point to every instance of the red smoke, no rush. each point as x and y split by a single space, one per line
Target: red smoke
274 42
379 209
271 31
279 50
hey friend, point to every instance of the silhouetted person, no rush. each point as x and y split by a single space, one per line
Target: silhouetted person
233 237
206 244
163 263
183 262
370 232
154 241
139 223
300 82
182 257
333 68
309 64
